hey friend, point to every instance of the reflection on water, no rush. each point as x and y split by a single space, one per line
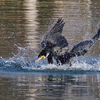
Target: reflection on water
49 87
12 30
23 23
31 24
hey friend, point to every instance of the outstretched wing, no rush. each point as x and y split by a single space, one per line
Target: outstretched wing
54 37
58 27
83 47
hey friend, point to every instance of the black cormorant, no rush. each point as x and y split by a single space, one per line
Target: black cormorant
54 43
54 37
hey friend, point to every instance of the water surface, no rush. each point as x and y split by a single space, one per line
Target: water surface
23 25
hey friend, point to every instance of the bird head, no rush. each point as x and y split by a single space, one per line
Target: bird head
42 55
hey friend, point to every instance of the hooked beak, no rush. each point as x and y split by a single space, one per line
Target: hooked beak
42 57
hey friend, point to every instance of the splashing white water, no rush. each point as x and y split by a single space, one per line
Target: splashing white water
26 61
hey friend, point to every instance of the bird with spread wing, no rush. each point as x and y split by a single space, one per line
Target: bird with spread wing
54 42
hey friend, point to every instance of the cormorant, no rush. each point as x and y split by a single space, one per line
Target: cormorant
54 43
54 37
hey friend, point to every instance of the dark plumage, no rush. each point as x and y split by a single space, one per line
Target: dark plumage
83 47
54 43
78 50
54 37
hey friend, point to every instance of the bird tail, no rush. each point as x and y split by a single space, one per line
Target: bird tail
96 36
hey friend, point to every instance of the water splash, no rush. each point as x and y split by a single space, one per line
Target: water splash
25 58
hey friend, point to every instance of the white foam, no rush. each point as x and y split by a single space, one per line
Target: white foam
75 66
26 61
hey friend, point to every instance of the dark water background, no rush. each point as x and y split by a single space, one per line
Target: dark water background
23 23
